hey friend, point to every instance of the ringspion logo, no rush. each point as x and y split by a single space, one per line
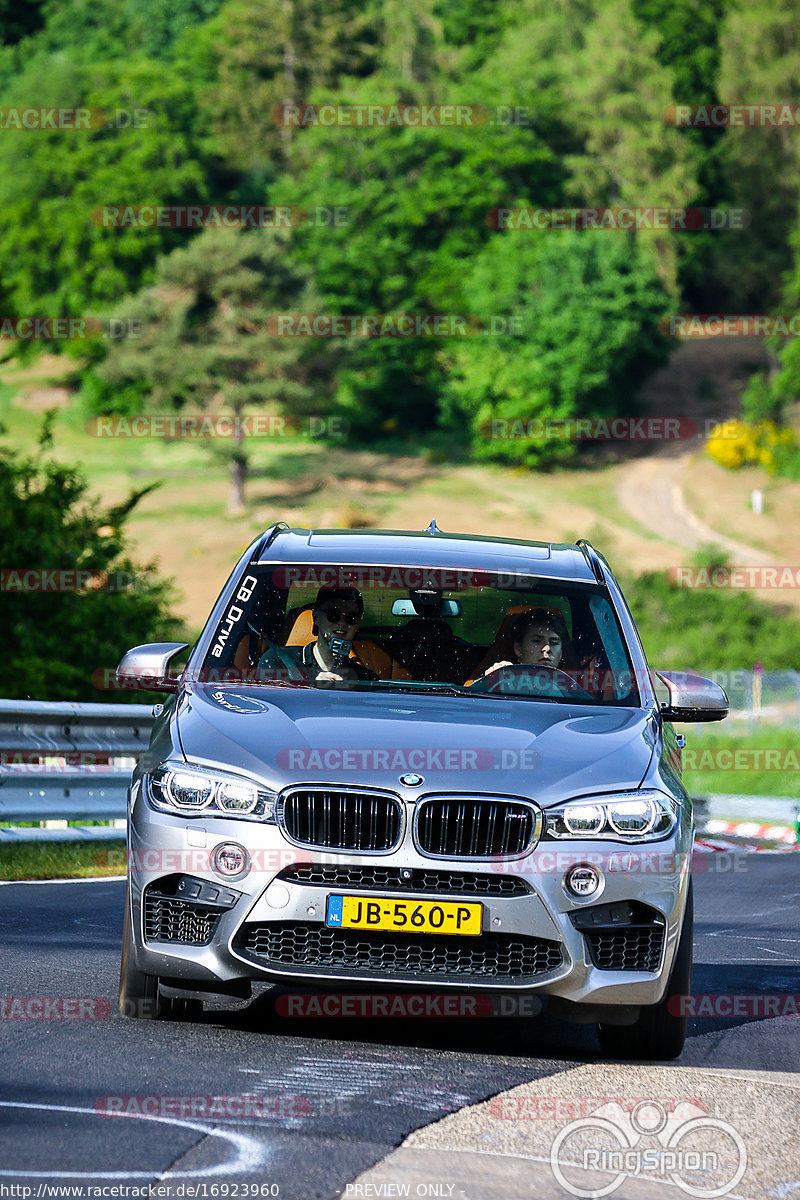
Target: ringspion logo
674 1143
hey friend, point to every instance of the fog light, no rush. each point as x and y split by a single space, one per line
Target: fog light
231 860
583 880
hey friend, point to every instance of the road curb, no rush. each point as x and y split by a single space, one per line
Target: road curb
502 1147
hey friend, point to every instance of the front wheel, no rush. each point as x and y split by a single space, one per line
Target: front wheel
658 1033
138 993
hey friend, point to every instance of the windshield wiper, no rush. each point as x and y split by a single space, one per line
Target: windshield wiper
245 683
414 685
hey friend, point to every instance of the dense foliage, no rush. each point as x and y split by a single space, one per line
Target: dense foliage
574 94
709 629
72 601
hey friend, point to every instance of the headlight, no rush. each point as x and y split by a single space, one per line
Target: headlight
178 788
628 817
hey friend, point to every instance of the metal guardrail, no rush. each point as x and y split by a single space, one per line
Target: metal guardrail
39 783
64 761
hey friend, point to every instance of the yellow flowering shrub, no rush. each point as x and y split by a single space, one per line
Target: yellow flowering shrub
735 444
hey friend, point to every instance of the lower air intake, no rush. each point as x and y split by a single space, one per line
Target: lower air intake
312 946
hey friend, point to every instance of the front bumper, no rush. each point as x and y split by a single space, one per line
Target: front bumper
270 924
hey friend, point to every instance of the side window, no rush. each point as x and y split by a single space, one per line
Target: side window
613 647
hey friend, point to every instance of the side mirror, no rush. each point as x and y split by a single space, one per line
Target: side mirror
685 696
145 667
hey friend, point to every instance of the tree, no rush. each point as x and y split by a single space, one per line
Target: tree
55 259
600 92
760 64
585 309
207 339
61 642
18 21
689 48
260 56
417 202
772 394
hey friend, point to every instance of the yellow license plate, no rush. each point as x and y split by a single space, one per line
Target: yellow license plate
408 916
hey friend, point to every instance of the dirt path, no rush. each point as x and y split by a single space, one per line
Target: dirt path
709 378
650 491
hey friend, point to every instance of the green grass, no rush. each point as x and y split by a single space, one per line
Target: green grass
784 781
62 860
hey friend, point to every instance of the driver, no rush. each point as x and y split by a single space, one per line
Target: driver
336 615
540 639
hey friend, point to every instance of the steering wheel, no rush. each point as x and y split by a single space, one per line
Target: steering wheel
543 681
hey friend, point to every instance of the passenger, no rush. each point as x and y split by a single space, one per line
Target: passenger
336 613
540 639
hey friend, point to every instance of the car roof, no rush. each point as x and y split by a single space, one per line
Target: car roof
430 548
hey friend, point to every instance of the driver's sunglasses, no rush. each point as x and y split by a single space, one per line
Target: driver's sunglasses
351 615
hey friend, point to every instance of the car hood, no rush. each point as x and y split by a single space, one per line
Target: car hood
544 750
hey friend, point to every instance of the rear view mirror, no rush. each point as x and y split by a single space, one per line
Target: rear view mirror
685 696
145 667
407 608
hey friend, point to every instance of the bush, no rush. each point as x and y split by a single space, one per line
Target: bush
709 629
735 444
579 313
60 644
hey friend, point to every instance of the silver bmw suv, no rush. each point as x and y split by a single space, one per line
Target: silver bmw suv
416 762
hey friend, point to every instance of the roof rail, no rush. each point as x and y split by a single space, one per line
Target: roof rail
593 559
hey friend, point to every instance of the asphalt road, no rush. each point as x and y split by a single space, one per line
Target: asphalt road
333 1097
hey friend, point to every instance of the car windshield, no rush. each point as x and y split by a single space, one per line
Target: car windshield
461 632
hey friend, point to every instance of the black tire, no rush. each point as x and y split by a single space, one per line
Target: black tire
138 993
657 1033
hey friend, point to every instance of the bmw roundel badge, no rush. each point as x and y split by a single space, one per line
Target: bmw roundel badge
411 780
